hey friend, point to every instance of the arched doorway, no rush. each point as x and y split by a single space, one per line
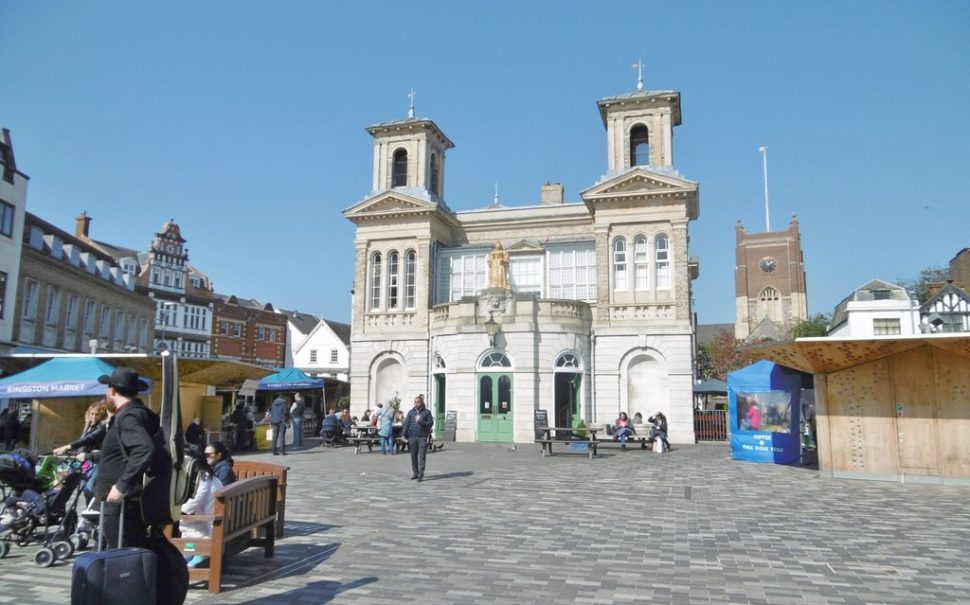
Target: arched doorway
646 385
389 379
495 420
439 397
568 382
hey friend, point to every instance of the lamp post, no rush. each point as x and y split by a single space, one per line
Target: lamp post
164 308
491 328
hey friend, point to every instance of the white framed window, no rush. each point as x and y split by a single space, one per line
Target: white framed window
393 265
376 265
525 274
410 279
662 251
236 330
52 306
119 327
641 263
619 264
313 355
460 275
132 329
572 273
885 326
142 333
70 318
105 328
334 355
88 322
30 299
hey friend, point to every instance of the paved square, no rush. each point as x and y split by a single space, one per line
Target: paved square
493 525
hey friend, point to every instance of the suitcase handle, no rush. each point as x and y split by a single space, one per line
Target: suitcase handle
121 526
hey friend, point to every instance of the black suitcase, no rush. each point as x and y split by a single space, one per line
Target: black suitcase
121 576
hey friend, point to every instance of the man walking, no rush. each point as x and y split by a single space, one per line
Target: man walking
417 427
279 415
296 411
126 453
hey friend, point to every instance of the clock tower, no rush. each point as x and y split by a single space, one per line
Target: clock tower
769 277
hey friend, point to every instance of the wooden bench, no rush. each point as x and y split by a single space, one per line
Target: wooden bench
546 445
359 442
241 508
246 468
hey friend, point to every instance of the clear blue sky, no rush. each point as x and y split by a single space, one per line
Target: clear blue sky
244 121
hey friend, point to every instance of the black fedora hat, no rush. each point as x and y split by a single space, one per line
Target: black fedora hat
124 379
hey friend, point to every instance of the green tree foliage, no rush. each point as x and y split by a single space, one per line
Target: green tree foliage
816 325
725 355
921 284
704 363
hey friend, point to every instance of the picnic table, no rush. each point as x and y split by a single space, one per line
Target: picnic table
567 435
364 434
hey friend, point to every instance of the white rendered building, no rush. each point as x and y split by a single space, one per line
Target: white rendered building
877 308
318 347
594 318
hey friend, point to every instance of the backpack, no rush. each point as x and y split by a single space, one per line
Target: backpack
187 481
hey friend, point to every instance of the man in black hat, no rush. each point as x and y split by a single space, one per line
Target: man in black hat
126 453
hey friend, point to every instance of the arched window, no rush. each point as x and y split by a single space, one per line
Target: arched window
619 264
392 280
433 185
641 262
568 362
410 278
639 146
399 174
663 262
439 363
495 360
375 282
769 304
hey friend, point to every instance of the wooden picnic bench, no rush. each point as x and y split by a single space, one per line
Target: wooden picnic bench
546 441
247 468
241 507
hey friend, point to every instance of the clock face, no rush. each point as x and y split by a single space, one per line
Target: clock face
768 264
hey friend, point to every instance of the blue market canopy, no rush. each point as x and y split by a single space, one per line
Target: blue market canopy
289 379
59 377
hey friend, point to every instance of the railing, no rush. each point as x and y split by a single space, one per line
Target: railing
710 425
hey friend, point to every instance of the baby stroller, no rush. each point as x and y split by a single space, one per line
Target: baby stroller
33 512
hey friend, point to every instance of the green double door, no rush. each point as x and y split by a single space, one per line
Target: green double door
495 420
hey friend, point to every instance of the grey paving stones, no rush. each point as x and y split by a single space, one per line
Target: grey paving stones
489 525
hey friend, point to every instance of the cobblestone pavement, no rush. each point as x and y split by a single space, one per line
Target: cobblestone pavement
493 525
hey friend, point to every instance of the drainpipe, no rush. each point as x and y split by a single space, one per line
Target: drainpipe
592 375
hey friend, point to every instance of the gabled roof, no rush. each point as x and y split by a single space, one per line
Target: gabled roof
642 182
340 329
949 288
304 323
395 202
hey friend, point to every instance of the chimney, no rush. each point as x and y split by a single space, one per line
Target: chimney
82 224
551 193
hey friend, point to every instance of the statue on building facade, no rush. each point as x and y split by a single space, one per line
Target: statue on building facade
498 267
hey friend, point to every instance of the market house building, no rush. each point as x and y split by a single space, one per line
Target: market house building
580 309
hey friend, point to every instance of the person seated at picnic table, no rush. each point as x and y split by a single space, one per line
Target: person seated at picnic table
623 429
659 429
366 417
347 423
331 431
638 418
203 502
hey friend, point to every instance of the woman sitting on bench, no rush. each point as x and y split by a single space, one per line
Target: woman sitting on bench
659 429
202 503
623 429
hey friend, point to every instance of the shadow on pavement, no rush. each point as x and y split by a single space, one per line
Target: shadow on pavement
449 475
315 592
250 568
303 528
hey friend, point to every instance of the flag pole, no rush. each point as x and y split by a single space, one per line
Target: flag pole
764 154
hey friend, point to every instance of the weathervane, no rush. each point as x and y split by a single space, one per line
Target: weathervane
411 96
639 67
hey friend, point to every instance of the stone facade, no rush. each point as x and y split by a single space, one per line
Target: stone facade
13 209
597 317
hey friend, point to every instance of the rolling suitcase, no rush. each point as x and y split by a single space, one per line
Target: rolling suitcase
121 576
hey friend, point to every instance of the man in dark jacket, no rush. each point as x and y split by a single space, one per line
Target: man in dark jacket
331 430
127 450
279 415
417 427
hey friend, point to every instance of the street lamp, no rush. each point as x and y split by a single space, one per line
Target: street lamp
491 328
164 308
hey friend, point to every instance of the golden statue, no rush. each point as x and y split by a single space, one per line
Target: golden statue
498 267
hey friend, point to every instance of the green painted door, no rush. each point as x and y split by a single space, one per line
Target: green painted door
495 421
439 406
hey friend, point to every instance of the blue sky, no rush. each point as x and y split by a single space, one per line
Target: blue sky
244 121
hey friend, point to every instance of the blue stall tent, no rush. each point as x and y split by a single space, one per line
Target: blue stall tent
59 377
765 413
289 379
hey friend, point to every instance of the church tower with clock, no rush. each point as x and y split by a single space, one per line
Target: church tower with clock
769 277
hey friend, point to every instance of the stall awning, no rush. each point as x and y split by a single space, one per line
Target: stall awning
59 377
289 379
711 387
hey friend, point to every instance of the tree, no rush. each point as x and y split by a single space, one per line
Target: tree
815 325
921 285
725 355
704 363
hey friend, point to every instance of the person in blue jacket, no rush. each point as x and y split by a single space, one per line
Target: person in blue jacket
279 415
417 427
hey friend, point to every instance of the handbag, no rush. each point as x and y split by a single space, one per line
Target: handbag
658 445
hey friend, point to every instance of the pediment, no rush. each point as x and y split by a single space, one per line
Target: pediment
639 182
389 203
524 246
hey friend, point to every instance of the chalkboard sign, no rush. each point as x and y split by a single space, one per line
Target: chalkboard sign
541 422
451 424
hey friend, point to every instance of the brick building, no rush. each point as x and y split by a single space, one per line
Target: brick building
248 330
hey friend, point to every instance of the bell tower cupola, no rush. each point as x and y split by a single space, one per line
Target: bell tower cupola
409 155
640 128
